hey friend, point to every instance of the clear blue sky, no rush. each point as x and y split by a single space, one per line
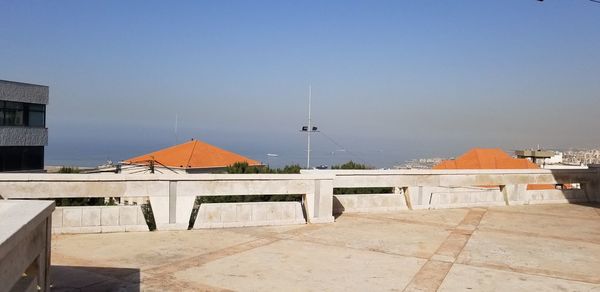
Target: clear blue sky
392 80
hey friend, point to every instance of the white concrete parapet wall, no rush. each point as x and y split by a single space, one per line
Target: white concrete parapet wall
434 189
552 197
97 219
172 196
445 197
365 203
222 215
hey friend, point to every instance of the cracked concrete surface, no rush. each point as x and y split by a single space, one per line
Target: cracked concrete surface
516 248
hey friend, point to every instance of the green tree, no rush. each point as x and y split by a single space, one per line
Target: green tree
351 165
69 169
292 168
245 168
349 191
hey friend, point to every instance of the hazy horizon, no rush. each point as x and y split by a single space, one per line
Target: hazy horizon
391 80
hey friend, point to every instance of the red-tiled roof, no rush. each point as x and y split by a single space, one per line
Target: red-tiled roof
480 158
192 154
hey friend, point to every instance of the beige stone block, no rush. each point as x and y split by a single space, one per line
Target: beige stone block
136 228
90 216
259 212
298 213
233 224
349 201
274 211
90 229
57 217
109 216
71 230
210 213
288 211
160 209
72 217
141 220
228 212
244 212
114 228
200 225
172 227
128 215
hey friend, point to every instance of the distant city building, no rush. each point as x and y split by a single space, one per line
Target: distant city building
23 132
536 156
557 162
557 158
421 163
585 157
190 157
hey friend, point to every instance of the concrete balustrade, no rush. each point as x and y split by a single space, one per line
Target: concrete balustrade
172 197
434 189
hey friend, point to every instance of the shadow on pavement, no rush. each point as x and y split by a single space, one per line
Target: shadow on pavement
78 278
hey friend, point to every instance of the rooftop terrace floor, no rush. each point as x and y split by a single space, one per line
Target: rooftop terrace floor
517 248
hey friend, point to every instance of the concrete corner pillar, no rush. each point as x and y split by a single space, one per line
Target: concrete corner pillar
160 209
172 212
515 194
319 205
407 198
418 197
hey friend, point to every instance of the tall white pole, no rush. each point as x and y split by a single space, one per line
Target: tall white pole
176 125
309 128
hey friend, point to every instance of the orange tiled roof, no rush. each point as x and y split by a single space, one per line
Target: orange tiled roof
479 158
192 154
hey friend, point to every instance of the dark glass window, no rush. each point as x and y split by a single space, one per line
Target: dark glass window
9 117
22 114
36 115
16 158
13 105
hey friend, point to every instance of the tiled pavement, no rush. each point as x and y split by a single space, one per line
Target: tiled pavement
516 248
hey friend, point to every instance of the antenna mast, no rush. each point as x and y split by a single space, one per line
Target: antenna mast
176 122
309 128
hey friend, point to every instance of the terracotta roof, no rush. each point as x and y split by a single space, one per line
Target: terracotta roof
480 158
192 154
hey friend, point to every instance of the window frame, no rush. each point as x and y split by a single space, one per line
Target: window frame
15 109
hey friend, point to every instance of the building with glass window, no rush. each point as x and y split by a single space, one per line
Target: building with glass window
23 132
